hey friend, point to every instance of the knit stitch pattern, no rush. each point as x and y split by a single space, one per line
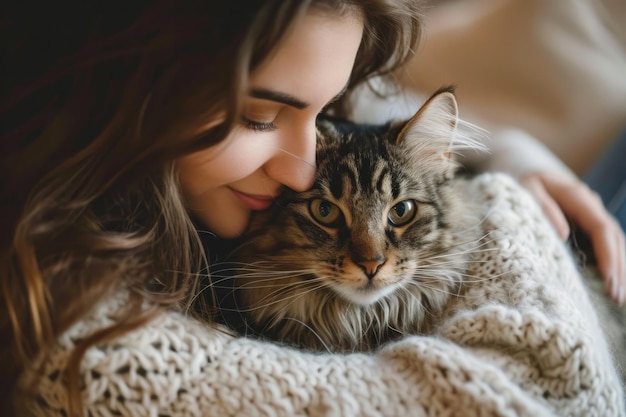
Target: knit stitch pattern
522 340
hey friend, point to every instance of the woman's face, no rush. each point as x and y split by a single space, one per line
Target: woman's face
275 143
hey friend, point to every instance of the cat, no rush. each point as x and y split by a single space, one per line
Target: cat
375 248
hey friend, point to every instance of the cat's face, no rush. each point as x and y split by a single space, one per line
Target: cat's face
374 215
377 219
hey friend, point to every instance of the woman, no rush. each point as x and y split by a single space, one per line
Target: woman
129 125
97 111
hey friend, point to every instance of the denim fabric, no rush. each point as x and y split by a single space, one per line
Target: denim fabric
608 178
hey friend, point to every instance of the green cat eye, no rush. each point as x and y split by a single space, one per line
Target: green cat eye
326 213
402 213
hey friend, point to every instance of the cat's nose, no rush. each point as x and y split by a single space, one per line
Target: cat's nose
371 266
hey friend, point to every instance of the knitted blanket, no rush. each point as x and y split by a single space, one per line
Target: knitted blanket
522 341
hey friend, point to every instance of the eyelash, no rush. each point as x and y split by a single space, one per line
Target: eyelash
258 126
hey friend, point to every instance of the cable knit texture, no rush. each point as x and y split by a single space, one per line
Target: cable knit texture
523 340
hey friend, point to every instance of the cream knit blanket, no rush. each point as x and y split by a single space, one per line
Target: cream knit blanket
523 341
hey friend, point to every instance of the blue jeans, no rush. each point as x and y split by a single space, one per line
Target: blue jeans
608 178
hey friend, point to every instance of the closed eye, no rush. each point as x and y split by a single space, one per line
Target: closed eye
258 126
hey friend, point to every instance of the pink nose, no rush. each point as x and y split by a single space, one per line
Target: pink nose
371 266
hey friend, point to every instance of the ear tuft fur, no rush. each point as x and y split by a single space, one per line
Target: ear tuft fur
436 134
430 132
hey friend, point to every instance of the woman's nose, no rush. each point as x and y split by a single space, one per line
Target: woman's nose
293 165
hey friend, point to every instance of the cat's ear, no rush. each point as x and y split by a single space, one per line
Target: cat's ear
326 133
430 132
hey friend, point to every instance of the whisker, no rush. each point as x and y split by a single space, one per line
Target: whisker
298 158
312 330
271 299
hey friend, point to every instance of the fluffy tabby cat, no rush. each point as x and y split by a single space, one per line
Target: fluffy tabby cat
375 248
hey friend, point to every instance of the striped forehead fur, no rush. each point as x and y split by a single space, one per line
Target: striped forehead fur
365 172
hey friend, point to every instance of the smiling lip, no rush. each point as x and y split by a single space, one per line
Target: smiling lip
253 201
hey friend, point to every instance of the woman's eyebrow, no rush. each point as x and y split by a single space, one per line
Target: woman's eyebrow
287 99
278 97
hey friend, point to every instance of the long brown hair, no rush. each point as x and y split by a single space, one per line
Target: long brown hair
95 109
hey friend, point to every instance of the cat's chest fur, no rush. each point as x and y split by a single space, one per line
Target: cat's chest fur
375 249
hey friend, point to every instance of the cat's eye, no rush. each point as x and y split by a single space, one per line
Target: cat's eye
326 213
402 213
